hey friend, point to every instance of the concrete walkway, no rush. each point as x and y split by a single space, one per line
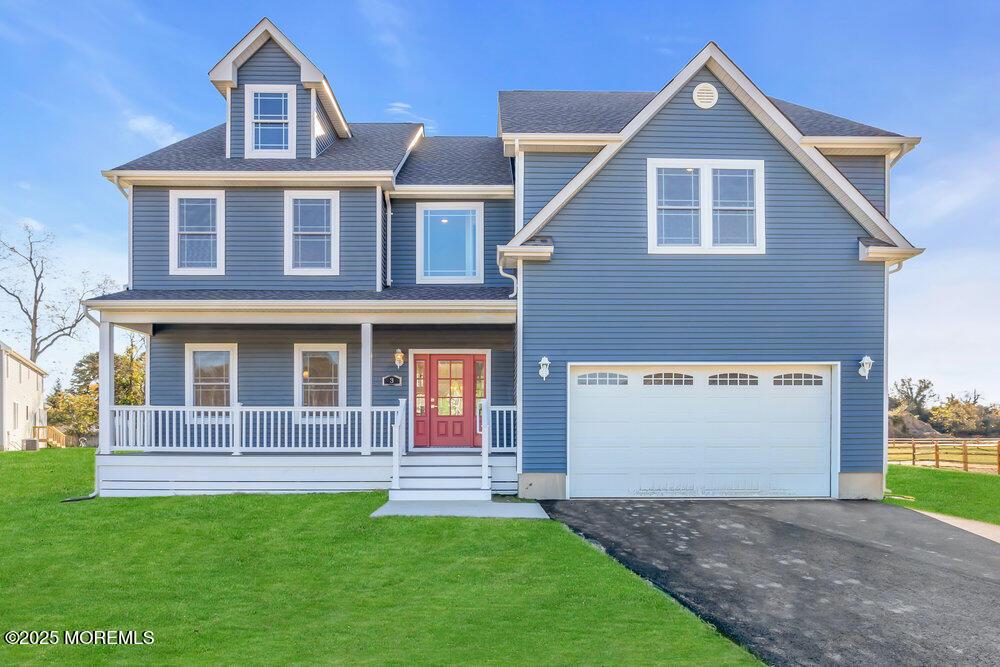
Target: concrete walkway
486 509
990 531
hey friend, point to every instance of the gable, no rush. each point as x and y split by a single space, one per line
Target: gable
780 127
799 210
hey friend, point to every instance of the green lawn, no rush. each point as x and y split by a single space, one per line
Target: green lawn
966 494
305 579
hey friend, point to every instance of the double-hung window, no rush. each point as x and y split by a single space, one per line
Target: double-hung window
320 375
269 119
197 228
210 375
312 232
450 244
705 206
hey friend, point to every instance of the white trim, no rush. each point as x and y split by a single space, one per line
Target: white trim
312 305
234 385
835 403
131 234
519 364
480 248
289 218
291 91
486 314
341 349
229 115
313 122
551 142
764 110
388 240
877 253
378 239
434 191
509 256
223 75
412 409
247 178
417 136
220 232
707 246
518 187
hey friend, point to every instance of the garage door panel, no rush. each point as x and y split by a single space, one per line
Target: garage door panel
697 439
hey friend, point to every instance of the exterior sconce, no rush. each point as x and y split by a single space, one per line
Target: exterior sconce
543 368
865 366
398 357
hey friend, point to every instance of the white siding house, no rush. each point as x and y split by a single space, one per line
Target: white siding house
22 395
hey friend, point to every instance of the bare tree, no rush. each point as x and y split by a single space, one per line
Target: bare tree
27 271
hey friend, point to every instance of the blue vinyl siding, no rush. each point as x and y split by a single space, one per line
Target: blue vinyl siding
254 242
867 173
270 64
602 297
266 363
499 226
545 174
265 366
385 340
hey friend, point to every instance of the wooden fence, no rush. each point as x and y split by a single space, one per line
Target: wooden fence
969 454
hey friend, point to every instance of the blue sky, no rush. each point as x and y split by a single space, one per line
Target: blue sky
91 85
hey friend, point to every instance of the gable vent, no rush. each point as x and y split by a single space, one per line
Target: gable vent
705 95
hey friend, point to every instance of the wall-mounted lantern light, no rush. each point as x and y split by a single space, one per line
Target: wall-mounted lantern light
543 368
398 357
865 366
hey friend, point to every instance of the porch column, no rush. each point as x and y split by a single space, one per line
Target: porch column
366 388
105 385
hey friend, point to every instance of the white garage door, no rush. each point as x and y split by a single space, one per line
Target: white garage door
700 431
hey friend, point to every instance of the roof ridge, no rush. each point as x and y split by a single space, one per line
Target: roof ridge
590 92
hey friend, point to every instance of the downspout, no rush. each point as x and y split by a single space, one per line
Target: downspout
510 276
895 268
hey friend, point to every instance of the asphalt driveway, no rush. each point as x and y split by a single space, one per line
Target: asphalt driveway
812 582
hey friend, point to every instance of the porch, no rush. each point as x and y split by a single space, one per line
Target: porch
286 408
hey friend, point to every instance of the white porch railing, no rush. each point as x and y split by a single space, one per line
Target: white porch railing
504 428
254 429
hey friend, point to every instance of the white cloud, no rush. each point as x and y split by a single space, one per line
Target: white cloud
946 190
23 185
30 223
944 324
158 131
404 111
389 22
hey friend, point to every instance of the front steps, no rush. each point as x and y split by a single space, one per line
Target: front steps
440 476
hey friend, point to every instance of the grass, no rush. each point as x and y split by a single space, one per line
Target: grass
246 579
969 495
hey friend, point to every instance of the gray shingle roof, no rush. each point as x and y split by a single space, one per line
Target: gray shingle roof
456 161
568 110
604 112
409 293
373 147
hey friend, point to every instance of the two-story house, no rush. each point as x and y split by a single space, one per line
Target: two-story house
672 293
22 399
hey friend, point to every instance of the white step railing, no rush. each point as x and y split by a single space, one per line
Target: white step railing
504 428
243 429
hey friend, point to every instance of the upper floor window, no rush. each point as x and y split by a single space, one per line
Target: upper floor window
197 229
450 245
705 206
312 232
269 119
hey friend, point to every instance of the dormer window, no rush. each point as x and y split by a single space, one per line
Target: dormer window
270 121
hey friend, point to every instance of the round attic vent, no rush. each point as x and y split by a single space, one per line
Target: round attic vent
705 95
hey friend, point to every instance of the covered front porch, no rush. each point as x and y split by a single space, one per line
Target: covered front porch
421 409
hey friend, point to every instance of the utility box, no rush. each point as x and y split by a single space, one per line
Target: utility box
29 445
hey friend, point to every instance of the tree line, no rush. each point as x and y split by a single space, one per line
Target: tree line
963 414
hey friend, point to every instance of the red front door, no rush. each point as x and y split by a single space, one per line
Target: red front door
447 393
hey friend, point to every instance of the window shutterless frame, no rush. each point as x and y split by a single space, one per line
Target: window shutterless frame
706 245
220 232
190 349
333 197
249 120
478 247
341 350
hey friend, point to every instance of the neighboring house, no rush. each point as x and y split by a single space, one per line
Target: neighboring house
22 395
673 293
